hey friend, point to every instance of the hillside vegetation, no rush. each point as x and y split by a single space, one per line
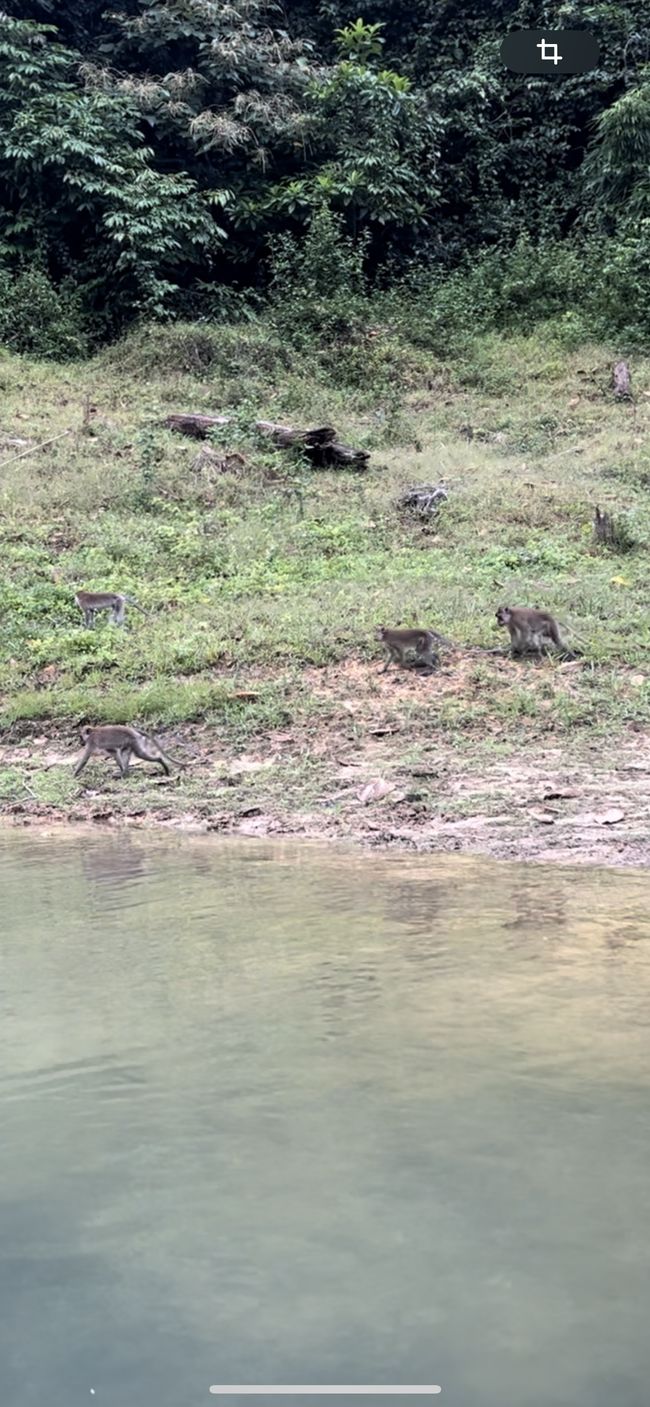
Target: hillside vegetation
264 582
268 565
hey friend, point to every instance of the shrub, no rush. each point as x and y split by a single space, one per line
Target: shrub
499 289
318 289
38 318
199 349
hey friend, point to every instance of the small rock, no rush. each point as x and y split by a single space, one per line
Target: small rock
375 791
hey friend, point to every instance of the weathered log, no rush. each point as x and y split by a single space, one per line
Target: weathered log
338 456
318 444
197 426
621 382
424 499
285 436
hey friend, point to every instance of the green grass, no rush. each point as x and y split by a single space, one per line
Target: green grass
249 576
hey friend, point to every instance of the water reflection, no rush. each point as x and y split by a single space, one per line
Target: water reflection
113 864
290 1115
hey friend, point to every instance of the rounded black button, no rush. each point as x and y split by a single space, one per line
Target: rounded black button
550 51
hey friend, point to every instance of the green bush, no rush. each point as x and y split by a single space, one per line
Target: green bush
318 288
199 349
623 291
498 290
38 318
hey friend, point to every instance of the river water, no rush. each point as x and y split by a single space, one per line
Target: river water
278 1115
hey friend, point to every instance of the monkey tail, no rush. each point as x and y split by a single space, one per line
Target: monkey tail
175 761
571 631
137 606
155 746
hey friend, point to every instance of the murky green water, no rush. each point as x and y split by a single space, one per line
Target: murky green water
279 1115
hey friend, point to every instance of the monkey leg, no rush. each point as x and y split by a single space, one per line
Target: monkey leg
429 659
123 756
82 761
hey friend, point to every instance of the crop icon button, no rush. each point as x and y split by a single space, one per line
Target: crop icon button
550 51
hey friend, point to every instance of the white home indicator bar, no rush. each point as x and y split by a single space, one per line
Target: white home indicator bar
332 1390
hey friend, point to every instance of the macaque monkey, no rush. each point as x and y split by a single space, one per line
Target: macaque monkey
120 742
114 601
398 643
530 630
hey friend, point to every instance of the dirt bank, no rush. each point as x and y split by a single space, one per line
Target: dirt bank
363 765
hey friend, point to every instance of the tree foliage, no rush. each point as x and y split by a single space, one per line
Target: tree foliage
153 150
78 189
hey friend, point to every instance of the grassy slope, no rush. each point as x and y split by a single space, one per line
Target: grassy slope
257 579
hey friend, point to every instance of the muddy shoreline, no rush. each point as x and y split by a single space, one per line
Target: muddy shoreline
577 802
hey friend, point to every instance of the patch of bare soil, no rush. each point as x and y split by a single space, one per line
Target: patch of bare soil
369 767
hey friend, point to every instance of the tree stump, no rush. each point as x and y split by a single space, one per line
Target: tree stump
621 382
611 532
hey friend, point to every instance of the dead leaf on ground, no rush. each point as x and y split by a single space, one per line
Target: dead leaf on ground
49 674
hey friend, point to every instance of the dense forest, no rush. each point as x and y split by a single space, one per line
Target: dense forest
193 158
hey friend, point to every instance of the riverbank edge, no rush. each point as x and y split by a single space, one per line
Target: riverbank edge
584 803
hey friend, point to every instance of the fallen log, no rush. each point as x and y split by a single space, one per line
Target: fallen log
318 443
198 426
286 436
